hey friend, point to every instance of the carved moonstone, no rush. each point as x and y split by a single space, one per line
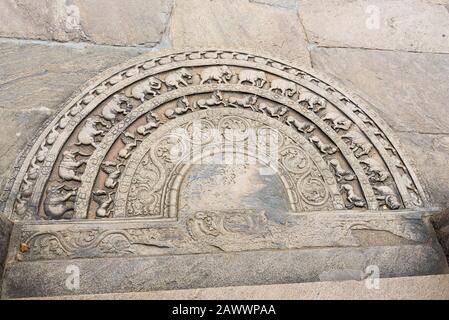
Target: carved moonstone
183 160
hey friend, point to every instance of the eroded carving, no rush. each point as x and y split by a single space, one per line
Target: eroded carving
387 195
178 78
115 107
221 74
338 121
152 123
353 199
59 201
375 170
303 127
273 111
358 143
283 87
215 100
182 106
104 201
130 142
113 171
246 102
213 231
93 116
323 147
340 173
255 78
149 87
69 165
88 133
314 102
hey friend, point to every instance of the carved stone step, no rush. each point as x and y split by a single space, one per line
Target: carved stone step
408 288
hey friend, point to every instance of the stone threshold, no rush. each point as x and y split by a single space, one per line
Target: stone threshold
434 287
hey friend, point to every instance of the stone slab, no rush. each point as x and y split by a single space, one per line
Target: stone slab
240 24
140 22
407 288
5 233
287 4
430 154
114 275
410 25
441 225
410 92
146 237
35 80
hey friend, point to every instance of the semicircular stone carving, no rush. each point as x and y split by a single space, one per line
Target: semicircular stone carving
210 130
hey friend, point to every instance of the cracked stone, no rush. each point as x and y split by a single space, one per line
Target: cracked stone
36 80
100 21
141 22
240 24
409 90
430 155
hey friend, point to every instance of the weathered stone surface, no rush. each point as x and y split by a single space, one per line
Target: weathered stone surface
299 231
36 80
40 19
18 128
441 225
395 249
411 25
288 4
430 154
47 278
140 22
420 288
241 24
5 233
410 92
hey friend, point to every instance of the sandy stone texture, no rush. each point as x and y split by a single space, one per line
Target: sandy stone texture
140 22
5 233
290 4
35 80
430 154
239 24
410 92
410 25
426 287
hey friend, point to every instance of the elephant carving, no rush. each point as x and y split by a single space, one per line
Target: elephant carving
256 78
221 74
